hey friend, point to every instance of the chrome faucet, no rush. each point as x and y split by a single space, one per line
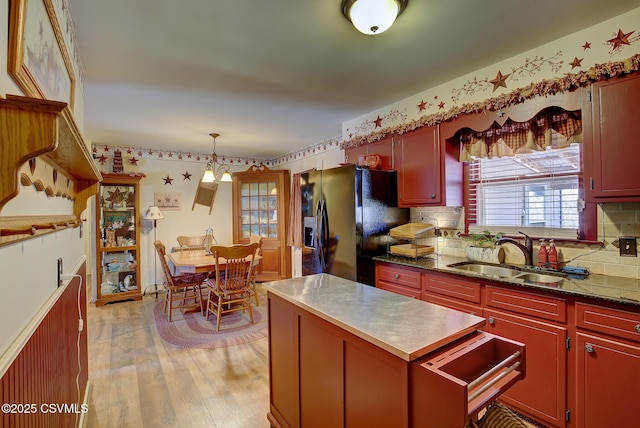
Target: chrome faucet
526 248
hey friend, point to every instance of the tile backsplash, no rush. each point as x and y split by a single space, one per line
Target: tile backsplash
614 220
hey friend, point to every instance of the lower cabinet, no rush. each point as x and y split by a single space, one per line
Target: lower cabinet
608 360
542 394
582 357
399 279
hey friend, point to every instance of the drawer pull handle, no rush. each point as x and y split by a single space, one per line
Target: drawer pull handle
637 327
500 367
433 196
397 276
492 321
589 348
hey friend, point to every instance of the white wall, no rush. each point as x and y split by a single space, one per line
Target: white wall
28 269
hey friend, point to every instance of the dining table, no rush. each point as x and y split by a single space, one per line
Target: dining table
197 261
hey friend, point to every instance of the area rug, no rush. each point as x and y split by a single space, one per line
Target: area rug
192 330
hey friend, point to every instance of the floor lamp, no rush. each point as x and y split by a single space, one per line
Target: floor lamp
154 213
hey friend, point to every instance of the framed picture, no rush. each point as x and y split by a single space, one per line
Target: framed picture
38 60
168 200
116 219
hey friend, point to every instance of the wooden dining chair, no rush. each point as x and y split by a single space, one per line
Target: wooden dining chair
182 291
258 240
191 243
230 289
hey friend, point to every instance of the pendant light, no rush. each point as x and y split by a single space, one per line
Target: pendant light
214 170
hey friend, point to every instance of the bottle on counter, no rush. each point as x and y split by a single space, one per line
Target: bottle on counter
542 255
552 257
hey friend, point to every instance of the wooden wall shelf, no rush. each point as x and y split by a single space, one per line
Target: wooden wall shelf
32 128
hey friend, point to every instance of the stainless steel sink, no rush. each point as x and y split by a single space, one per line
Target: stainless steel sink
509 273
540 279
488 270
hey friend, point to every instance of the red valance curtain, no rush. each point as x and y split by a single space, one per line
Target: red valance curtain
511 138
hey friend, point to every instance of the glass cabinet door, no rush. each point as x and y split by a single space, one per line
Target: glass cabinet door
118 246
259 209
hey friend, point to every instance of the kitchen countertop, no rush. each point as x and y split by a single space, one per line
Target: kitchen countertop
603 287
405 327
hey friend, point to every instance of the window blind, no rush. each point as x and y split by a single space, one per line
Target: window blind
537 192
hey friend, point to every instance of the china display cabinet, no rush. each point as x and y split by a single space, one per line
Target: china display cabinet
261 207
117 238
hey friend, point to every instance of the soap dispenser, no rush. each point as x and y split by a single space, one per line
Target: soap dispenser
552 257
542 255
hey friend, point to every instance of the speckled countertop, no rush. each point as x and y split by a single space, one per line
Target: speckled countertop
595 286
408 328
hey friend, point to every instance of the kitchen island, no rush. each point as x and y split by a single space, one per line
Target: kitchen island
347 354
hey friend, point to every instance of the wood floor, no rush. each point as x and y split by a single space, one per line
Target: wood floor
141 381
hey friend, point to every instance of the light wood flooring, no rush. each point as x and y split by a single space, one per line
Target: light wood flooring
141 381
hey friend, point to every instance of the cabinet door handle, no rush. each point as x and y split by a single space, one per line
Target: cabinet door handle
492 321
637 327
433 196
396 276
589 348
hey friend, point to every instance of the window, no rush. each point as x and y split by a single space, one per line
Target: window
536 192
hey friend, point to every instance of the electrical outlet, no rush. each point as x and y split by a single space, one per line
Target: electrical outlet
628 246
59 271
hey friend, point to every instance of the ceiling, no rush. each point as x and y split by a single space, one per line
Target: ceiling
276 76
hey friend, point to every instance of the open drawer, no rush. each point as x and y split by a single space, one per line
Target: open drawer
449 386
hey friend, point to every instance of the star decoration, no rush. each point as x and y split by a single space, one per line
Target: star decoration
378 122
441 105
117 196
94 150
186 176
133 161
586 46
576 62
168 180
150 152
620 39
422 105
102 159
500 80
129 151
105 149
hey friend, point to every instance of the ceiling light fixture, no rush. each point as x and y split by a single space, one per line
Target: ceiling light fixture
373 16
213 170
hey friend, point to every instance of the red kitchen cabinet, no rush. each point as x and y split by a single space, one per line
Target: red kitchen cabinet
382 148
608 357
614 136
428 169
542 394
608 382
452 292
399 279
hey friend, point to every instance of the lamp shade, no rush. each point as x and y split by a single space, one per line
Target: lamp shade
373 16
208 176
153 213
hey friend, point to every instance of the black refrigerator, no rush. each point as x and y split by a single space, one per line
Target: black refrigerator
347 213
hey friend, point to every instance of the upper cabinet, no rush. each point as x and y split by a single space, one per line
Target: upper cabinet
611 159
261 207
429 173
383 149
